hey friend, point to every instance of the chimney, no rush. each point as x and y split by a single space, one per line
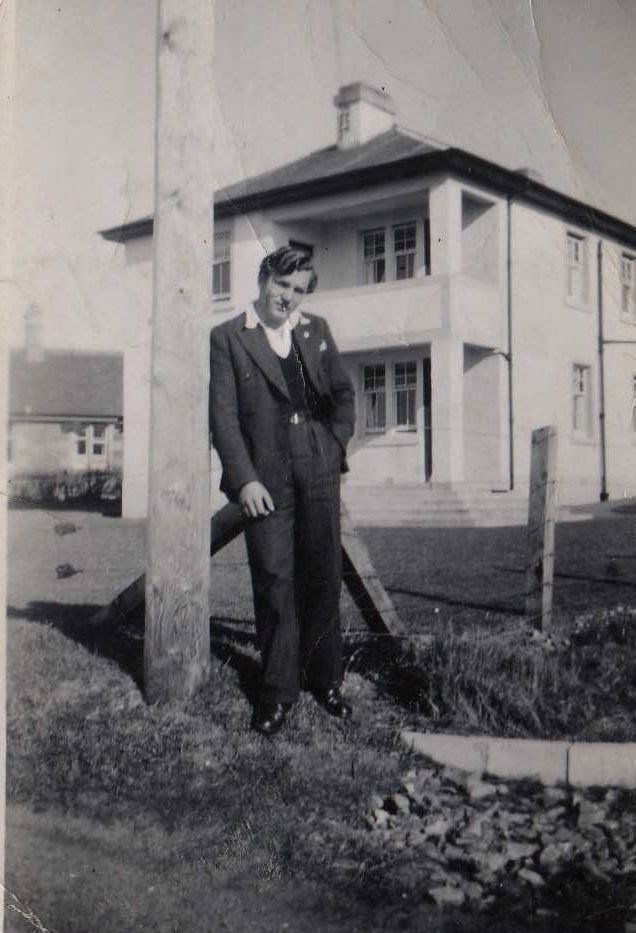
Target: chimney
33 334
363 112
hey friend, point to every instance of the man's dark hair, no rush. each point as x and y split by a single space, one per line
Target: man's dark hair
286 260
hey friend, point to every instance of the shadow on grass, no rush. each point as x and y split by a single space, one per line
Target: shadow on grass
122 641
228 641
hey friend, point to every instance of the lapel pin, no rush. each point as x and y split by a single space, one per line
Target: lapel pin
306 334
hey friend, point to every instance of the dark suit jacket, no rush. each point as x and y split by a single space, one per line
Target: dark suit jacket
250 403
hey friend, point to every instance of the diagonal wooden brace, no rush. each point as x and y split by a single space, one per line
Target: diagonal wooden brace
359 576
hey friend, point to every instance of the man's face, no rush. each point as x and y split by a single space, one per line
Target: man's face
280 294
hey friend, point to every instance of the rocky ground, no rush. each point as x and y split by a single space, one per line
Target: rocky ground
479 842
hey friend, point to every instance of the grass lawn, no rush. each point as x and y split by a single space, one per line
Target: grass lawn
129 817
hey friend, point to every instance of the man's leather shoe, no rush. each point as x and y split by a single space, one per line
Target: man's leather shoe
269 718
333 701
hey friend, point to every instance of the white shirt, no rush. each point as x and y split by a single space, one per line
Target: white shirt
279 338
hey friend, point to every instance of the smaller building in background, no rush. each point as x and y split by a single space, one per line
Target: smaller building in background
65 413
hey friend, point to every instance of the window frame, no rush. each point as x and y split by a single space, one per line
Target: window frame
389 391
418 256
410 254
585 432
578 297
369 262
218 262
628 287
410 390
377 391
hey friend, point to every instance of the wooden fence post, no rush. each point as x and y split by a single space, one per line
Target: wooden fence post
541 518
177 639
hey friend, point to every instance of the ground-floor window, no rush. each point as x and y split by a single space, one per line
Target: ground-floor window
92 444
404 387
581 400
375 399
390 396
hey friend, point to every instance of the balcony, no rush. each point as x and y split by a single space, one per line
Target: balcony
390 314
398 314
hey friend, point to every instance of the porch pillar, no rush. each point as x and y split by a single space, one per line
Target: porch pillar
447 383
445 212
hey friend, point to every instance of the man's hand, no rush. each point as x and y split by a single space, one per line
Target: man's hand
255 500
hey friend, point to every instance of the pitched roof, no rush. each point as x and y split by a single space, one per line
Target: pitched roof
384 149
66 384
387 157
330 163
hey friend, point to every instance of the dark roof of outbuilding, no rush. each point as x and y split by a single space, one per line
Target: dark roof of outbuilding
388 157
66 384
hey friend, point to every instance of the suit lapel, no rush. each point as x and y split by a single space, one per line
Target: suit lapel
307 343
255 342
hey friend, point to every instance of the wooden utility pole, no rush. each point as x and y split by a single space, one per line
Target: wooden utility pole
177 640
541 518
8 305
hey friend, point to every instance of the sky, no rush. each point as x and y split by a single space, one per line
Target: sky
547 84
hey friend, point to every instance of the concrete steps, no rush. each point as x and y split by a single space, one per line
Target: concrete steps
429 506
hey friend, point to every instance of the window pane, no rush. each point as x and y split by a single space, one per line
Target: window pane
375 398
98 449
576 268
99 430
81 447
373 244
221 264
581 400
404 384
404 240
221 246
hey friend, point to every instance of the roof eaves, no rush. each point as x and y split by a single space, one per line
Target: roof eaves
456 162
519 187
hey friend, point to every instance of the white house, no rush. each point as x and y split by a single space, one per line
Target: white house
472 303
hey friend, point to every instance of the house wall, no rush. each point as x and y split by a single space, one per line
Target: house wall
482 416
43 447
620 373
551 333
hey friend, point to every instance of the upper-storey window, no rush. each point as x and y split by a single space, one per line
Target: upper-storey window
392 253
576 268
374 254
628 285
404 248
221 265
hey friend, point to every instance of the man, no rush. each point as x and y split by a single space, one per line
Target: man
281 414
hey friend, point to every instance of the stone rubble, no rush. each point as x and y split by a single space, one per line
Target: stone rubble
474 838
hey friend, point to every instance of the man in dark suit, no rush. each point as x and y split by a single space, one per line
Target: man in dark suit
281 414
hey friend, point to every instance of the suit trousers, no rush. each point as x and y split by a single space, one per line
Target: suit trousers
295 561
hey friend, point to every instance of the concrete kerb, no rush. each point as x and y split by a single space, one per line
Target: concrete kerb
574 764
